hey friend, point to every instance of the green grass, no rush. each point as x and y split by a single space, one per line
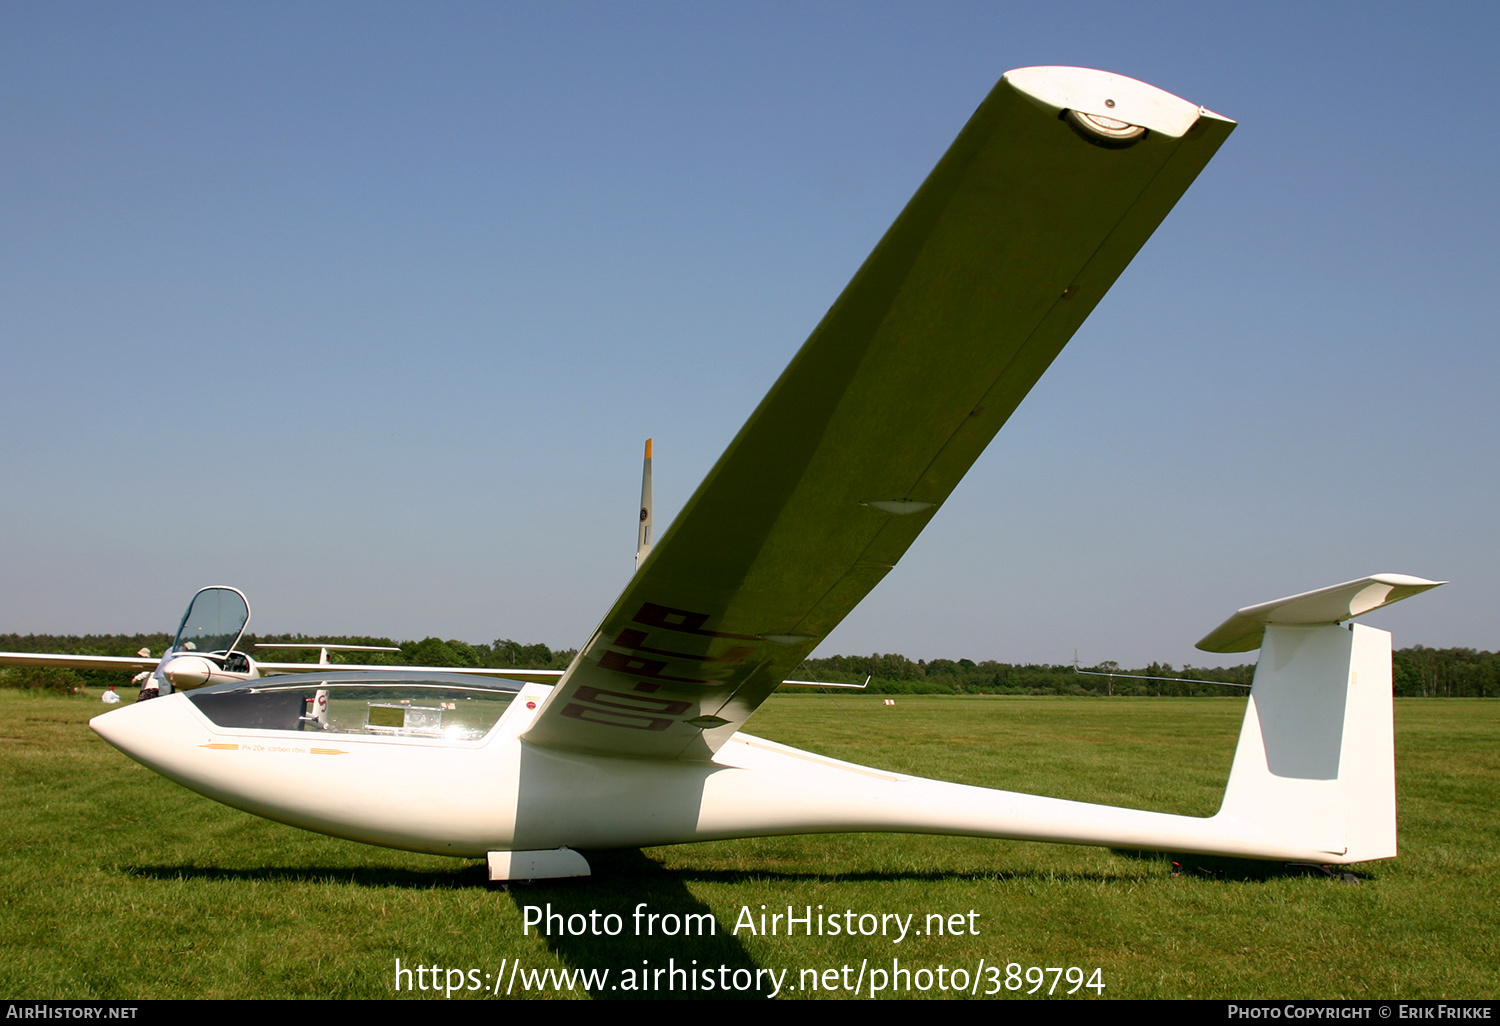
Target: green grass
115 883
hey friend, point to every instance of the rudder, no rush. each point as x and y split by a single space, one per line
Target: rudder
1315 765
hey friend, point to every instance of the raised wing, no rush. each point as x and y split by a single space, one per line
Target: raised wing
1055 183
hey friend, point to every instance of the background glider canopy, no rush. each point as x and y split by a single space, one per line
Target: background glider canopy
214 621
1005 249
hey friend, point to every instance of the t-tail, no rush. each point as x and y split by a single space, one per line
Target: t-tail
1316 754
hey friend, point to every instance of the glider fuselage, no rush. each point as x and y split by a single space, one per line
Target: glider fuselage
442 790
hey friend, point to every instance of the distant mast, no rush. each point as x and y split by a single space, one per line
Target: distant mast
643 536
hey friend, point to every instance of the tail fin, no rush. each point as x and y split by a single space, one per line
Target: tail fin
1315 766
1316 758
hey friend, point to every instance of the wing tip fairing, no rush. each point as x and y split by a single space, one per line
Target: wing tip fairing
1103 94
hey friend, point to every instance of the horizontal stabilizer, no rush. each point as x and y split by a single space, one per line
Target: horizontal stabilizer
1243 631
827 683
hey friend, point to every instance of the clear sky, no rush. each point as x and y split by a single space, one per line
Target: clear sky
367 309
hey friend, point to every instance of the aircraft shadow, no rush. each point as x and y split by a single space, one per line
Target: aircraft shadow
904 876
465 877
639 877
623 881
1216 867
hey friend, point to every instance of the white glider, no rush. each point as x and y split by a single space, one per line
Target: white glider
1057 180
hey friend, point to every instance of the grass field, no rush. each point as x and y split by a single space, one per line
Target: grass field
115 883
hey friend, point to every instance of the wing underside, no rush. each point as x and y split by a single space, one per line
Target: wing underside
990 269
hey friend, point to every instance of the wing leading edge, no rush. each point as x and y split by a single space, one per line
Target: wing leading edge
990 269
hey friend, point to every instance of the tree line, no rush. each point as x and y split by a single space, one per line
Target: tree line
1418 672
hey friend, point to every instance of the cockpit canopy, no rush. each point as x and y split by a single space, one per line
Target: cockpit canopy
419 704
214 621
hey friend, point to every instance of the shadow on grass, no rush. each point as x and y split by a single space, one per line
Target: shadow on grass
748 876
664 960
466 876
665 942
1217 867
632 872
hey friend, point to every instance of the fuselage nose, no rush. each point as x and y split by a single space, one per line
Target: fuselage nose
149 731
419 790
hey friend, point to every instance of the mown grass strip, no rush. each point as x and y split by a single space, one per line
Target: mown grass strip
115 883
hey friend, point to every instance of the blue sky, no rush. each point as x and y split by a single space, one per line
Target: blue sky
367 308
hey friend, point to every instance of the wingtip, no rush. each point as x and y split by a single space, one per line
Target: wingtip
1406 580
